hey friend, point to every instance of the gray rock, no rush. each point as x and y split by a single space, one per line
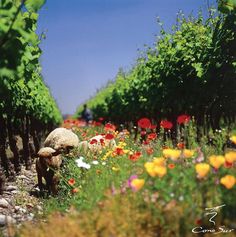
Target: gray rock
39 208
61 139
17 208
4 220
7 193
4 203
22 177
11 188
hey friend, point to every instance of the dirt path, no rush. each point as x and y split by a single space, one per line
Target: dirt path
18 202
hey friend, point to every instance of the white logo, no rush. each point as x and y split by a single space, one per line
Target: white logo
212 213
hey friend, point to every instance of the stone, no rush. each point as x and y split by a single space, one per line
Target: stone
4 220
22 177
11 188
61 139
17 208
4 203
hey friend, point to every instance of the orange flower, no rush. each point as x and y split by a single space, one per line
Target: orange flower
228 181
152 136
150 168
171 166
160 161
98 171
171 153
230 156
135 156
71 181
75 190
217 161
180 145
188 153
119 151
233 139
160 171
149 151
137 184
202 169
156 168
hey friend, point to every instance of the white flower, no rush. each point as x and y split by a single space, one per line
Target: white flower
103 163
95 162
181 198
81 164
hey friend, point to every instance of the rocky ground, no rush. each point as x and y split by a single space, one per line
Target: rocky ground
19 202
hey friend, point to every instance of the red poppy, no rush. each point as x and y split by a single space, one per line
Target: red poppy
93 141
184 118
110 127
71 181
152 136
97 124
144 123
143 133
146 142
119 151
109 136
171 166
149 151
102 142
180 145
228 164
84 134
153 126
166 124
135 156
75 190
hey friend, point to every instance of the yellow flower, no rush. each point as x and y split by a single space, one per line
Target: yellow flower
126 151
171 153
188 153
107 155
156 168
137 184
228 181
230 156
202 169
150 168
122 144
233 139
217 161
115 168
160 171
159 161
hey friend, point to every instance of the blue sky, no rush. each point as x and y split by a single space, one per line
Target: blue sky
87 41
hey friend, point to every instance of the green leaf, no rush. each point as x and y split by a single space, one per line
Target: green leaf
227 6
34 5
